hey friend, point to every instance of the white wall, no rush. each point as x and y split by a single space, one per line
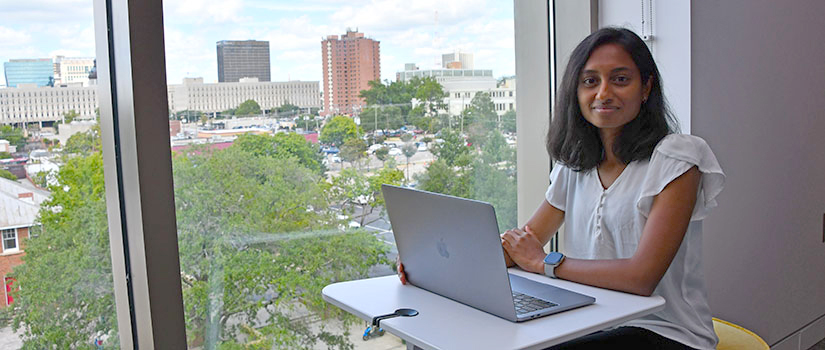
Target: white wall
745 75
670 45
757 92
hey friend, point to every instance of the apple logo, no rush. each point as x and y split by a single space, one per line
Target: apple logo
442 249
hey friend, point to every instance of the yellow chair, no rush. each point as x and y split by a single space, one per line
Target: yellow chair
734 337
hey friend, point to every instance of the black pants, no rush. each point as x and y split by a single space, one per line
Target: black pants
622 338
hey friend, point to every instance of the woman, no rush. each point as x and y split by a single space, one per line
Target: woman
631 193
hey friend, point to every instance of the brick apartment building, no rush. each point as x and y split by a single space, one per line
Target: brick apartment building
350 62
18 210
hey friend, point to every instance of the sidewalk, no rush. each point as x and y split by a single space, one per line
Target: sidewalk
9 340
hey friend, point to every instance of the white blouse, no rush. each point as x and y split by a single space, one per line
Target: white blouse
607 224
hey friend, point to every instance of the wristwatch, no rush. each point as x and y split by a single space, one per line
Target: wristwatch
551 261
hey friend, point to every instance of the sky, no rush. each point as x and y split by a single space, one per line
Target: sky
409 31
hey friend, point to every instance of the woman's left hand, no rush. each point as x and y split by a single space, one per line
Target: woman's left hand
524 248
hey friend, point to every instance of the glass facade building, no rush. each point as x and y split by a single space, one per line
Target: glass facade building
243 59
29 71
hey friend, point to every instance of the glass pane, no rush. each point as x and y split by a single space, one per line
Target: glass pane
56 263
286 118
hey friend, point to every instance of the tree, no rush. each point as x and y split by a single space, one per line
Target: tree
443 178
65 299
248 107
337 130
359 194
69 116
382 154
452 150
431 95
13 135
409 149
508 121
250 227
480 118
5 155
286 109
84 142
353 150
283 145
7 175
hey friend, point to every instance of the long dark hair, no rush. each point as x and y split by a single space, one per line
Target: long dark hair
574 142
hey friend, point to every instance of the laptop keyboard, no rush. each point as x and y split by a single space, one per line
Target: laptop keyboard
526 304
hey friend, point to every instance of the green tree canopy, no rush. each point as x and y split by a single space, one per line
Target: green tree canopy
283 145
248 107
65 299
353 190
452 150
508 121
69 116
337 130
286 109
431 96
353 150
7 175
250 228
480 118
84 142
13 135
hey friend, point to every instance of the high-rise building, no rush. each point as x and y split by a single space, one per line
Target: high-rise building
71 70
350 63
38 71
457 60
243 59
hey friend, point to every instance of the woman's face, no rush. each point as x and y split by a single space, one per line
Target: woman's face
610 88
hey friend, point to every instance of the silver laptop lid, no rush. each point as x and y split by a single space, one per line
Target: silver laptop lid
451 246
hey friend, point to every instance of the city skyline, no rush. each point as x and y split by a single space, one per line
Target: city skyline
406 31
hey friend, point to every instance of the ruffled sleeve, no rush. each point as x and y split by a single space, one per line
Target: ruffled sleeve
673 156
557 191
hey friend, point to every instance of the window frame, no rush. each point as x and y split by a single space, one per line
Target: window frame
133 105
16 240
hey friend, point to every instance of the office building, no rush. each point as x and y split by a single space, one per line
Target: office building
461 85
38 71
243 59
349 62
72 70
442 74
457 60
194 95
28 103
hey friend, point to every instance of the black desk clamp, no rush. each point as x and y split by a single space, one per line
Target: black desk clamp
374 330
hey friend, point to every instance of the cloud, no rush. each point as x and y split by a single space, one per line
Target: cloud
10 38
45 11
203 11
402 14
189 55
303 7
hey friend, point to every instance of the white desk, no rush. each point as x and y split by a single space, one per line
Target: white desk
446 324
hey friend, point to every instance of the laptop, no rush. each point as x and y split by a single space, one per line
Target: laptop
451 246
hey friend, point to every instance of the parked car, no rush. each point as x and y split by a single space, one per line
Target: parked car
395 151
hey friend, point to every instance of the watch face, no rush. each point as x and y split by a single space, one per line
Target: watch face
553 258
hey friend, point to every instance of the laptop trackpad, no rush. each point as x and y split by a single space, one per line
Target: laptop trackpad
545 291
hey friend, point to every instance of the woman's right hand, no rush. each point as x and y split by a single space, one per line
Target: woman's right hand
400 270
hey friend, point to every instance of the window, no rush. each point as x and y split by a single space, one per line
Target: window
10 243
